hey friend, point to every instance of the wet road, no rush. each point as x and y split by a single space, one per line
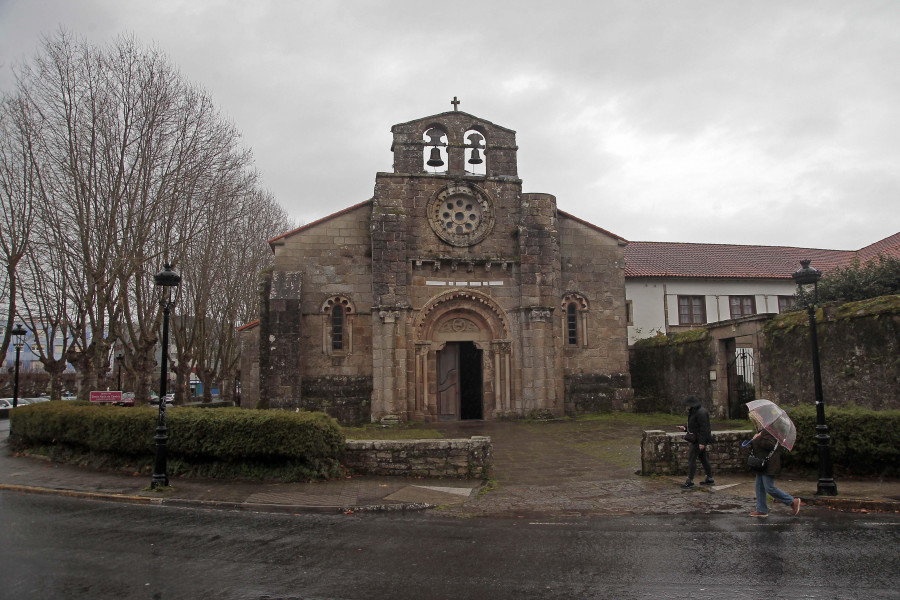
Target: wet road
56 547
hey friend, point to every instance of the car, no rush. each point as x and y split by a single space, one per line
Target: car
6 402
127 399
170 400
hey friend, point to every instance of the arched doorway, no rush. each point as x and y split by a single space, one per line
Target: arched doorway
459 382
462 359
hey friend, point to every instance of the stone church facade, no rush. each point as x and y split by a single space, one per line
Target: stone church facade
449 295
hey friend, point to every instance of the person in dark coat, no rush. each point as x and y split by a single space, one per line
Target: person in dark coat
697 424
763 444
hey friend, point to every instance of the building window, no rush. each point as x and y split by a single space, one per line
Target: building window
629 312
691 310
337 326
742 306
572 324
575 309
785 303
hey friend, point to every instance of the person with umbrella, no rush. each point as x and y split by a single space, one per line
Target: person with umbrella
774 431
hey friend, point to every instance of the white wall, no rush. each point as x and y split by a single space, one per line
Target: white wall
654 301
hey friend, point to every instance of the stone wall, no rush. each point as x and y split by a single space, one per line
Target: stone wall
665 369
859 355
592 265
248 337
461 458
597 394
859 352
279 340
667 453
347 399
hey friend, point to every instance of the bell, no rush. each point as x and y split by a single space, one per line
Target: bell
475 159
435 160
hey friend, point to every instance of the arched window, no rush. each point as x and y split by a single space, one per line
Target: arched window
575 312
572 324
337 326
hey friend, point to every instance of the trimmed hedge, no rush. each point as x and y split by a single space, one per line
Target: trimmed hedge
863 441
223 442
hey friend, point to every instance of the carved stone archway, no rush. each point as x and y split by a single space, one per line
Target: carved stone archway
463 316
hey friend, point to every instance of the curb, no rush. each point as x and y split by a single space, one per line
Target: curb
215 504
842 504
852 504
30 489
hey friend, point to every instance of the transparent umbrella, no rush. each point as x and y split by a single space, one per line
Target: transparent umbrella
775 420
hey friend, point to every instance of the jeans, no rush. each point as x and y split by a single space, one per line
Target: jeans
765 484
693 454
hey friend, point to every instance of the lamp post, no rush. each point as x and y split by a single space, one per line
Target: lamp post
804 277
119 358
167 281
18 332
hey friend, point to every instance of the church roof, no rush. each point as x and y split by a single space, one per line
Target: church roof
676 259
278 238
592 226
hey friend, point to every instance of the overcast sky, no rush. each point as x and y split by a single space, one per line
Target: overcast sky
774 123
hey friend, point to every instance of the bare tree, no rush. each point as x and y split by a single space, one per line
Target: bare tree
17 183
128 167
226 279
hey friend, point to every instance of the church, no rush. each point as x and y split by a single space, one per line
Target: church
451 294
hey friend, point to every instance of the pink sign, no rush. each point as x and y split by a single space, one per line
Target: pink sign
106 396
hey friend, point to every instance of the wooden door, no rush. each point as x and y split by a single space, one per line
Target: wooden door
448 382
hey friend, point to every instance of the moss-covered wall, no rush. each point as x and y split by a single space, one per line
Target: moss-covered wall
859 355
665 369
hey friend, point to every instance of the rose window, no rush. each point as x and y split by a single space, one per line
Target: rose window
461 214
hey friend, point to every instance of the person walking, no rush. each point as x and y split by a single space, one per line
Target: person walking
698 436
764 444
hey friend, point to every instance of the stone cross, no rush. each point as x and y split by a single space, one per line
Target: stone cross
455 103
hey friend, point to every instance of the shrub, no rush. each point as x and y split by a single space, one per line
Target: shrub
863 442
224 442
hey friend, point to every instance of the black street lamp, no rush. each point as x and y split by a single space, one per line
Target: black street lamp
804 277
119 358
167 281
18 332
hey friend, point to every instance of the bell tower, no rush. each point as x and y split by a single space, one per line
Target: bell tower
454 143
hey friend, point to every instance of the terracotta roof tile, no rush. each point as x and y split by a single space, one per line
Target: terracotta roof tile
889 246
673 259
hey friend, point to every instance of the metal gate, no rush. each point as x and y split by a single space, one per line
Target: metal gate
741 384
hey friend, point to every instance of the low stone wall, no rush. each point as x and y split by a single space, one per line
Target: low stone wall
667 453
460 458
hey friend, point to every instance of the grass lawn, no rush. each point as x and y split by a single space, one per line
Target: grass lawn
412 431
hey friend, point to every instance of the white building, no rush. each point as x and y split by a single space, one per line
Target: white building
672 287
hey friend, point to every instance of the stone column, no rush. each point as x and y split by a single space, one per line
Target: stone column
542 379
421 395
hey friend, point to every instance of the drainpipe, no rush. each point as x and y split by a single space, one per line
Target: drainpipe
666 308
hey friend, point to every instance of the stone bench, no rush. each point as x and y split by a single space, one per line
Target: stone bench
460 458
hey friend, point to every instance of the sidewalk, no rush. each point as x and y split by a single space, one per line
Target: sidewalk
552 469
